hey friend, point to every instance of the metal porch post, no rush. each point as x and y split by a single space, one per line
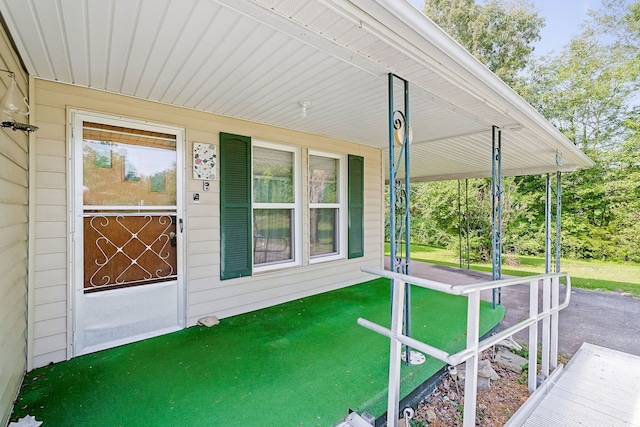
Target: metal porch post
399 219
547 226
466 251
459 225
550 288
555 284
496 214
552 261
558 218
466 222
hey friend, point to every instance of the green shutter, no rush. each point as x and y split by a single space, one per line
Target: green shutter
235 206
356 207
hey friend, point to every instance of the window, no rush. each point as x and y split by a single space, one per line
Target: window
275 205
261 206
123 166
325 206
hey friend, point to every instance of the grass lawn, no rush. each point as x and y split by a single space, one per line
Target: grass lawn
609 276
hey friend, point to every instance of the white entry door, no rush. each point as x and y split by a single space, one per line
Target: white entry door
127 231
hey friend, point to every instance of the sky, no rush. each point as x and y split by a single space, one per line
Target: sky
562 21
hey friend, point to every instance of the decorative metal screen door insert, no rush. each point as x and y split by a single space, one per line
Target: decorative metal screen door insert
128 250
131 228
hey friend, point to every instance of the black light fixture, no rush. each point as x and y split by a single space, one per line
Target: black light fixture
12 106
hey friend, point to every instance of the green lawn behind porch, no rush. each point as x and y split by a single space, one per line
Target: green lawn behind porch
303 363
587 274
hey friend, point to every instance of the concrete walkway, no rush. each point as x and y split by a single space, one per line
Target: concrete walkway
606 319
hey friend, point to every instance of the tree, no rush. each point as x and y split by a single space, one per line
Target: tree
499 33
586 89
589 90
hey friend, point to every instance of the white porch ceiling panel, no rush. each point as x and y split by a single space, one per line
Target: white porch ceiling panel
256 59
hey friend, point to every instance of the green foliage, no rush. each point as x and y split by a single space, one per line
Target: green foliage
524 377
499 33
588 91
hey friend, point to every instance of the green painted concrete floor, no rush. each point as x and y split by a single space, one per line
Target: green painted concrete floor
303 363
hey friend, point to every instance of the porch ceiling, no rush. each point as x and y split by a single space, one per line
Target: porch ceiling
256 59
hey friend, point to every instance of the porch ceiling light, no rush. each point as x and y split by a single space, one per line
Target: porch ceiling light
304 104
13 106
515 127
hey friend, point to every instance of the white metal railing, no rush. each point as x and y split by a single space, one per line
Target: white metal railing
548 316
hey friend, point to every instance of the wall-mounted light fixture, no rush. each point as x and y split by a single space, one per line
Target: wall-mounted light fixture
14 107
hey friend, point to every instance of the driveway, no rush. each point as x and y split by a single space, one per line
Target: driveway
607 319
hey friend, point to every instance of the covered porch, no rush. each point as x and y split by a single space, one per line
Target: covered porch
306 79
306 362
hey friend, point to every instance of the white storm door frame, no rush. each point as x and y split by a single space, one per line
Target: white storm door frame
76 318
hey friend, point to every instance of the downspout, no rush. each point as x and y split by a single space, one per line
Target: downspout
31 230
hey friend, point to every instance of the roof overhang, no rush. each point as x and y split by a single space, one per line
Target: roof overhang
256 59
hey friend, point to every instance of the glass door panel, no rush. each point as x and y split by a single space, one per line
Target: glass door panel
126 171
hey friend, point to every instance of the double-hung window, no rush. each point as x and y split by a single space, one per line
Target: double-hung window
326 206
261 206
275 207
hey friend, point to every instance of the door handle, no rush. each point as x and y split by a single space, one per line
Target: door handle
181 225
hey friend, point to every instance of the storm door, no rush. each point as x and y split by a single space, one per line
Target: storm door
127 232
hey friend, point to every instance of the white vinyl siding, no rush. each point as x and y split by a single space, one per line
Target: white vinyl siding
14 178
206 293
50 284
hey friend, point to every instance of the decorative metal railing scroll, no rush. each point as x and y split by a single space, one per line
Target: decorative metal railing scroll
400 133
496 213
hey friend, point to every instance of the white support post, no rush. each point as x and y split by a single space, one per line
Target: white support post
546 326
555 302
471 375
395 357
533 335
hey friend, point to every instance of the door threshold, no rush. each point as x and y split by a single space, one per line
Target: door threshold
128 340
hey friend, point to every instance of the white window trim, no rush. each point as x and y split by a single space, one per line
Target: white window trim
297 207
341 205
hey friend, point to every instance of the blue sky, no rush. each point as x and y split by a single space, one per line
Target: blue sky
562 17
